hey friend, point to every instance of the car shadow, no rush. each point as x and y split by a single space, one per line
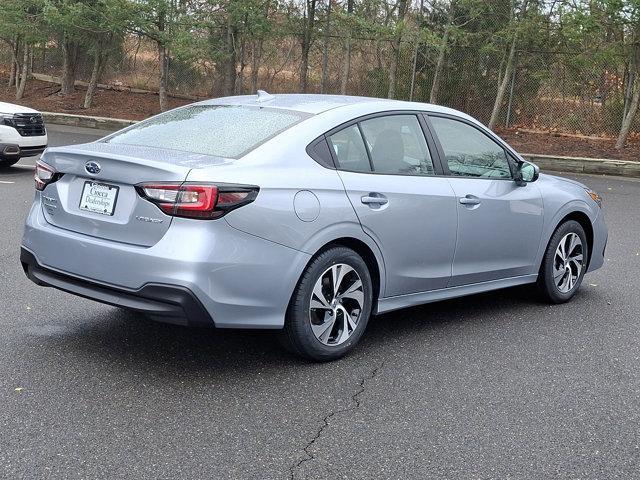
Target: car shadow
115 335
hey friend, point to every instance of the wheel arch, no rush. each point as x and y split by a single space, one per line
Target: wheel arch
374 262
583 219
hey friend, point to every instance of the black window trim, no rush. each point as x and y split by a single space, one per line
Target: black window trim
419 114
510 154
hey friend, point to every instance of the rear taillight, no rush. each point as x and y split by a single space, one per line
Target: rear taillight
44 175
197 200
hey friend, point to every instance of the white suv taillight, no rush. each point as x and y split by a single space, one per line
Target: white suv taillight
197 200
44 175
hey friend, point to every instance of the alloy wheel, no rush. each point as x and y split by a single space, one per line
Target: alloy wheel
568 262
336 304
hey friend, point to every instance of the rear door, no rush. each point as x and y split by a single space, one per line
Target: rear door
96 194
390 177
499 222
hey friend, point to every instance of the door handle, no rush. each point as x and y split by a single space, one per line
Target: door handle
469 200
374 199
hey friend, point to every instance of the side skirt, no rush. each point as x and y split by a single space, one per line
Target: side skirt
402 301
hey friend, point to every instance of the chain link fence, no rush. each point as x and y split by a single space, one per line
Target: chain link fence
561 91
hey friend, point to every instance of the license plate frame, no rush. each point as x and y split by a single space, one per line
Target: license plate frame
111 200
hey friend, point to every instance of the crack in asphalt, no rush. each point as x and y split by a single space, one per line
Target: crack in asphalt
325 421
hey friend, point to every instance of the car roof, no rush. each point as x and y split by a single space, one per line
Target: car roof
318 103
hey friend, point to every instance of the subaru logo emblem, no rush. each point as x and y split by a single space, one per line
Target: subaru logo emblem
92 168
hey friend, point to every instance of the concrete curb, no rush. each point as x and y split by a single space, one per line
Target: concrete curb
598 166
102 123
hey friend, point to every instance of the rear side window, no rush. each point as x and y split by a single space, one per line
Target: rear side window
220 130
348 146
390 144
397 145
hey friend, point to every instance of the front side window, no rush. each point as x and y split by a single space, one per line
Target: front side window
397 145
468 151
228 131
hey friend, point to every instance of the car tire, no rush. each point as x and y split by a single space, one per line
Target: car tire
7 163
564 263
314 326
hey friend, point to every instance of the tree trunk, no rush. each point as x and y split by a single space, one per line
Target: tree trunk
13 74
627 123
325 50
229 74
255 65
346 65
306 44
25 72
511 60
504 84
99 62
395 47
162 80
69 63
437 74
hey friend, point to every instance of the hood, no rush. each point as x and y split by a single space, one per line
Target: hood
11 108
564 180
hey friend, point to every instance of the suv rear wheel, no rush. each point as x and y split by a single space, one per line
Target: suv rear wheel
4 163
330 307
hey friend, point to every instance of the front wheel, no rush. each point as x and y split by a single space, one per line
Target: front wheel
330 307
564 263
5 163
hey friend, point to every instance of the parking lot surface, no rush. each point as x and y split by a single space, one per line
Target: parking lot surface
490 386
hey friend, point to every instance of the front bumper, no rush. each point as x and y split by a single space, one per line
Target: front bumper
13 151
600 238
241 281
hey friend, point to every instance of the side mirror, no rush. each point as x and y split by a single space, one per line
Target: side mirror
526 173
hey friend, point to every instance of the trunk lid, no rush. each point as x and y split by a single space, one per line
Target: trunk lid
96 194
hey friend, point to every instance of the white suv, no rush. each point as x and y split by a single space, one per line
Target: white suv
22 133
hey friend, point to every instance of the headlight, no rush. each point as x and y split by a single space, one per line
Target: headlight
6 119
595 197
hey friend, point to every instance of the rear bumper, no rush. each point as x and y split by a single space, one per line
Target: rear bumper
162 302
241 281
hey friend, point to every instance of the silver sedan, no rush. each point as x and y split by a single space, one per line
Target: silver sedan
304 213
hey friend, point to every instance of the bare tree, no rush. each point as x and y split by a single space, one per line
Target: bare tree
401 7
325 49
346 64
25 71
627 122
511 60
309 18
70 53
442 51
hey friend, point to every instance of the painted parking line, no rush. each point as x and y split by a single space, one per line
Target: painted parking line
2 181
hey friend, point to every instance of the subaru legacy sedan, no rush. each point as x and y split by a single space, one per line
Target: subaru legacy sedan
304 213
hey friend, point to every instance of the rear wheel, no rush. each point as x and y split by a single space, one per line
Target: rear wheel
330 307
564 263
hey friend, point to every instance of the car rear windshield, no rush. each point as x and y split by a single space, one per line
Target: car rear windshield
221 130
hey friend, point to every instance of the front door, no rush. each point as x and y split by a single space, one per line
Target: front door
499 222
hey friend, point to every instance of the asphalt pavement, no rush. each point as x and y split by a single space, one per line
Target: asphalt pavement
496 385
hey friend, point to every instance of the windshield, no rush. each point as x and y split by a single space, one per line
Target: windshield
220 130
